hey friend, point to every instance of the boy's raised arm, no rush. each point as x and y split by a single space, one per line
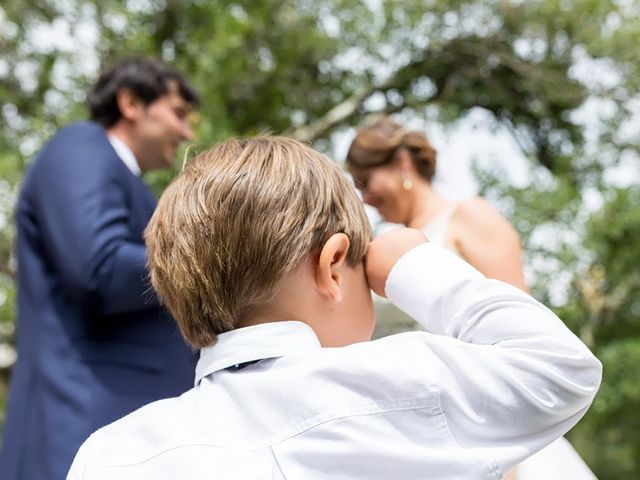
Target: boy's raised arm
512 377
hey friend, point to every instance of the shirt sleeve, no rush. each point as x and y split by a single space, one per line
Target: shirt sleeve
511 376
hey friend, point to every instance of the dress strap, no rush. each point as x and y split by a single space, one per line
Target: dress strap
435 230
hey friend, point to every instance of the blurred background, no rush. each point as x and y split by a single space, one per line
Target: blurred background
534 104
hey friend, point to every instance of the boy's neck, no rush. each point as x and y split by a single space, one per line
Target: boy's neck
330 296
291 302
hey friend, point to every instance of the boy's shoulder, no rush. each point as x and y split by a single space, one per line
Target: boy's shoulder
164 439
381 370
139 435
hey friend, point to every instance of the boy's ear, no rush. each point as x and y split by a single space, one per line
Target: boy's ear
329 267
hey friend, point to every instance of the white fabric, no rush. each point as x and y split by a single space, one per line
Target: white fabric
497 377
436 229
558 461
126 154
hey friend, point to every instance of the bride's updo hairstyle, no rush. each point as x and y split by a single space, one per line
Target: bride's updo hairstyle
377 143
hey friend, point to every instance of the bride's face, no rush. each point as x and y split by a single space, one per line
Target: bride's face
381 187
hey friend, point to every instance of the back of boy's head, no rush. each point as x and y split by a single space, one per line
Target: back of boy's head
240 218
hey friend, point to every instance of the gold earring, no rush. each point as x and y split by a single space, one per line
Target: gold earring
407 184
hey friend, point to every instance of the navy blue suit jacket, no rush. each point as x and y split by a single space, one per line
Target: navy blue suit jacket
93 343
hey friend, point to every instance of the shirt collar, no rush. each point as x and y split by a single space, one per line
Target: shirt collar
258 342
126 155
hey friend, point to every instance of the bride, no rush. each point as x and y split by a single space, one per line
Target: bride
394 168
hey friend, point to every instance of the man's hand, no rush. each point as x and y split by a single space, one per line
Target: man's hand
385 251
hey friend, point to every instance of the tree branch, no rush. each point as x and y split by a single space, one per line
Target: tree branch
335 116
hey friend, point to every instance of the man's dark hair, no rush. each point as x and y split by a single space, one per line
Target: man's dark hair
147 78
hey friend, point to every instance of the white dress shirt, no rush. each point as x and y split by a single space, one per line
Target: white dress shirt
126 154
496 377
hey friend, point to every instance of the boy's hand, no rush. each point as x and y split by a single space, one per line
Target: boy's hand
385 251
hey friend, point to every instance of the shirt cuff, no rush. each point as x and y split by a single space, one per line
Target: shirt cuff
424 274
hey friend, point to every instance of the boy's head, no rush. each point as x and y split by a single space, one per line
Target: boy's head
258 230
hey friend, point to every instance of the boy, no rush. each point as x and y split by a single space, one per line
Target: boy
261 251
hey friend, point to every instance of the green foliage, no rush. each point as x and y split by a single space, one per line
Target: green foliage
309 68
608 434
607 297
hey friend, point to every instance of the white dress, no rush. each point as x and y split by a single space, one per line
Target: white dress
558 461
436 229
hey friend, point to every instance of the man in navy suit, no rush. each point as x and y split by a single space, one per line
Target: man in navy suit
93 342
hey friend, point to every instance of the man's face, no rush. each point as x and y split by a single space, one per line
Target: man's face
160 129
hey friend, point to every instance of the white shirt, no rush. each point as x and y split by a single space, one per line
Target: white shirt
497 377
126 154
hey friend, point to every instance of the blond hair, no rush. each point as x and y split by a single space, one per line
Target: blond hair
237 220
377 143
